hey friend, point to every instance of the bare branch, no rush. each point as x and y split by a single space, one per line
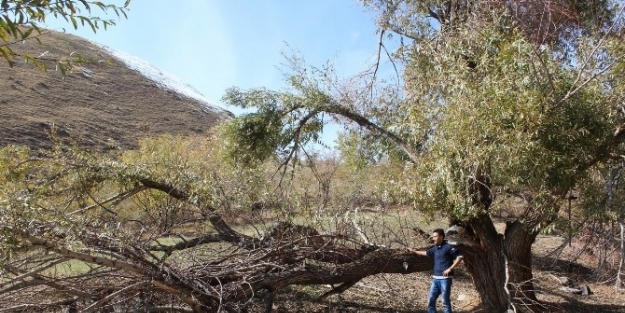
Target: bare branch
575 87
116 199
102 301
38 279
83 256
336 108
29 274
164 309
187 244
166 188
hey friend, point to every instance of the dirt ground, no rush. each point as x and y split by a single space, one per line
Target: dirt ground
392 293
395 293
408 293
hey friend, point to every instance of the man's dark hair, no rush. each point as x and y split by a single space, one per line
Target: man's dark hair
440 232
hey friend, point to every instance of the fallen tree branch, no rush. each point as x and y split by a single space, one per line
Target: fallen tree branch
37 306
103 300
38 279
286 254
186 244
308 273
337 290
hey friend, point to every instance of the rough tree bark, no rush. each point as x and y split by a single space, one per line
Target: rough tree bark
619 281
486 263
518 249
501 265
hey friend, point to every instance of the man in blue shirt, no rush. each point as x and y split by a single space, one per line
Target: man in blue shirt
446 257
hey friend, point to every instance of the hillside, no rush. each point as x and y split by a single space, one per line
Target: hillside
106 97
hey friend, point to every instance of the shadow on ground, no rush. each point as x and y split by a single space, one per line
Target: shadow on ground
561 266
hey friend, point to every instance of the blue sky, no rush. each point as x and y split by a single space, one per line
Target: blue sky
216 44
213 45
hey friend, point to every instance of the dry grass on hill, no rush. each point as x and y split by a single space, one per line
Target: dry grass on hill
97 101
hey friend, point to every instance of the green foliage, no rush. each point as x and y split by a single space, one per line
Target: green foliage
602 195
197 165
282 123
68 194
482 95
20 20
361 150
491 99
258 134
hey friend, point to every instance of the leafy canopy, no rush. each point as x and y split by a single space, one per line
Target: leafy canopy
481 96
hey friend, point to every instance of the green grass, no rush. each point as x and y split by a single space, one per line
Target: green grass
69 268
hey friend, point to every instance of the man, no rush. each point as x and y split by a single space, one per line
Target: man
446 258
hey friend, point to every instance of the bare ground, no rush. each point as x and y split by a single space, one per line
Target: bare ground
391 293
396 293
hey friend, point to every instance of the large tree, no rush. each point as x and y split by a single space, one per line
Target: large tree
500 100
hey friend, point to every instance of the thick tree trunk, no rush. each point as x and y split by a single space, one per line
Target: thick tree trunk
518 248
501 264
382 260
486 263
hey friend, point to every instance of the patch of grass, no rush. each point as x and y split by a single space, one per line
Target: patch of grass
70 268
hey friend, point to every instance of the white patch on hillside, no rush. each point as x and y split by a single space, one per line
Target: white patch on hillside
164 80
